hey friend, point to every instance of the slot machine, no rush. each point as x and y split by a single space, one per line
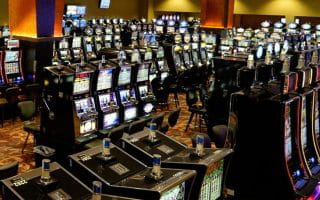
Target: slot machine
174 54
161 63
171 27
98 39
282 165
278 27
159 27
117 43
125 91
76 50
209 166
211 44
195 50
108 36
266 26
12 67
105 96
306 29
183 27
122 174
144 92
64 53
2 77
317 32
70 115
187 49
82 24
88 45
134 35
226 46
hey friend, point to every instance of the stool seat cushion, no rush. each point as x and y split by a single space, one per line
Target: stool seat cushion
31 126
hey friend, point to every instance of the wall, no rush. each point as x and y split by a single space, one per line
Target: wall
118 8
289 8
4 16
177 6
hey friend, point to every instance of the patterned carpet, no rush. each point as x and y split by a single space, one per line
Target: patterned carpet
12 137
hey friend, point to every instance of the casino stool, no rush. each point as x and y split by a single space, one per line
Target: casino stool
220 135
12 96
171 120
27 112
137 126
195 109
207 140
3 105
33 92
158 119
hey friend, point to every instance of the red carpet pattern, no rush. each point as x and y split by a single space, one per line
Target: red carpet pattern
12 137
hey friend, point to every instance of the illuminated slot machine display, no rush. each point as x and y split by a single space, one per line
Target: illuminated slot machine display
12 67
187 49
108 36
64 53
76 50
183 27
266 26
98 39
278 27
306 28
208 163
226 46
146 98
88 45
85 114
243 47
195 50
161 63
171 27
105 95
248 33
134 35
124 175
82 24
292 28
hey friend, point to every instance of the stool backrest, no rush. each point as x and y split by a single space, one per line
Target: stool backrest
173 117
12 94
158 119
137 126
9 170
116 134
27 110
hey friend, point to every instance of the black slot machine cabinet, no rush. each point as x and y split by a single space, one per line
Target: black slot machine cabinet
124 175
76 49
2 77
307 147
12 67
210 167
64 53
88 45
126 93
108 36
143 87
98 39
63 186
105 96
161 63
278 160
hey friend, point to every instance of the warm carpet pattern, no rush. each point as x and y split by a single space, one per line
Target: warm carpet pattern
12 137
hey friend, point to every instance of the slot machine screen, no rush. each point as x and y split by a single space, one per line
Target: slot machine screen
71 10
76 42
81 10
159 29
76 23
195 46
108 38
130 113
104 79
12 56
11 68
288 139
148 108
110 120
105 99
171 29
117 37
143 73
88 126
124 76
143 90
89 47
160 54
124 95
135 57
148 55
81 84
177 193
104 4
83 23
164 75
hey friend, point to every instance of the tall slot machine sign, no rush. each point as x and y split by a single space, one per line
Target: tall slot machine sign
13 73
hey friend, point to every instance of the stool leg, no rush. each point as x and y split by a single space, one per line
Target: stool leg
189 122
25 142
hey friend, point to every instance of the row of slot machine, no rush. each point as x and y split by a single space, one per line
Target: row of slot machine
11 72
105 93
276 124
